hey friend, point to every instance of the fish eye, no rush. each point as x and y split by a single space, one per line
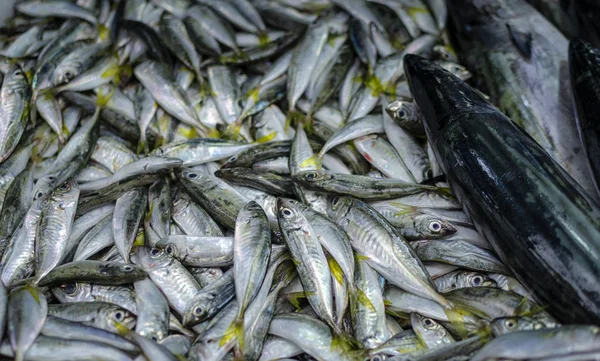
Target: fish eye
154 338
192 175
39 195
335 201
68 76
377 358
128 268
435 226
70 289
119 315
64 187
286 212
428 322
311 176
477 280
510 323
456 69
198 311
402 114
154 252
18 73
169 249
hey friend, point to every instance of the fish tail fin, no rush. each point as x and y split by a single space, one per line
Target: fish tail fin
239 334
230 334
142 146
341 340
103 99
459 316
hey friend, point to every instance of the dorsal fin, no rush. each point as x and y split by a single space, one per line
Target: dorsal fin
522 40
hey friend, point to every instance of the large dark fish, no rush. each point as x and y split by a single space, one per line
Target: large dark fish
584 61
587 13
521 59
541 223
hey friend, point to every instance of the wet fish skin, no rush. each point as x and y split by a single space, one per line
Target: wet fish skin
128 213
210 300
199 251
97 272
64 329
56 221
153 310
15 95
172 278
541 343
98 314
501 144
27 310
526 49
584 62
462 279
218 198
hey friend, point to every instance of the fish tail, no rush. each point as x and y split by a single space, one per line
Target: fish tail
142 145
103 99
239 333
341 340
459 316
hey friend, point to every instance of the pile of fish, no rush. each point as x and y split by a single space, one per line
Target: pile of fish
297 179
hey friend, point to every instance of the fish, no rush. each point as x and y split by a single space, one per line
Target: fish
540 277
584 65
532 46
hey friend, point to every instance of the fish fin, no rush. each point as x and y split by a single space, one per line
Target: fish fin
140 239
266 138
229 334
522 40
364 300
121 328
239 334
342 341
294 299
335 269
458 315
103 99
103 32
312 161
35 293
142 147
253 94
263 39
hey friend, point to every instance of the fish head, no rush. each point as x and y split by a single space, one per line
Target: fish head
151 259
433 227
68 190
289 213
338 206
173 249
428 329
192 176
199 308
402 111
314 177
73 292
43 188
451 100
458 70
118 315
475 279
15 78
